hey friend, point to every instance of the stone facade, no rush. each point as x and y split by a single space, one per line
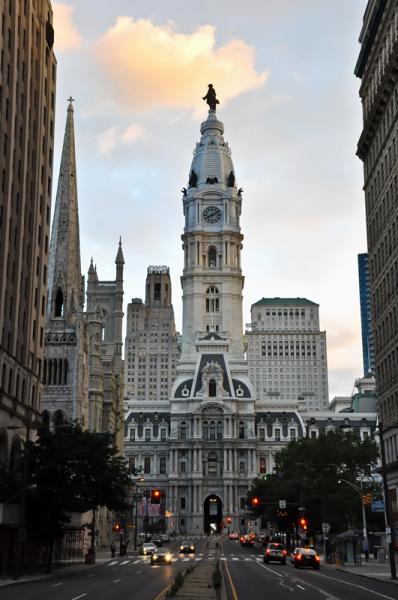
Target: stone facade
378 149
286 354
27 104
204 446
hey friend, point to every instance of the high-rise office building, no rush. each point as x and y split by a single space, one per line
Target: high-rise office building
366 314
286 354
151 349
378 149
27 103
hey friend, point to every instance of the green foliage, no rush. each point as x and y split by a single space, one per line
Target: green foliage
307 472
71 470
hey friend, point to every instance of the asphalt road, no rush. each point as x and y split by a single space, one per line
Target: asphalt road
248 578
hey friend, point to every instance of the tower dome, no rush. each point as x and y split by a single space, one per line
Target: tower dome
212 163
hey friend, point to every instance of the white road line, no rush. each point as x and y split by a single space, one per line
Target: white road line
138 572
268 569
56 584
249 559
223 558
197 559
116 580
300 586
125 562
136 561
234 558
114 562
361 587
185 559
81 596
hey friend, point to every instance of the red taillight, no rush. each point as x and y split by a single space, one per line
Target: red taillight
317 558
298 557
284 552
267 552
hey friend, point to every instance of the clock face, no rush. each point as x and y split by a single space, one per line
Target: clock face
212 214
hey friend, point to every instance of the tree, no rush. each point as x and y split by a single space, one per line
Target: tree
307 472
70 470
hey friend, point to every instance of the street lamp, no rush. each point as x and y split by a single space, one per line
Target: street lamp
359 491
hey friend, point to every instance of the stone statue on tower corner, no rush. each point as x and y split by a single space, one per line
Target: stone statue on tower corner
211 97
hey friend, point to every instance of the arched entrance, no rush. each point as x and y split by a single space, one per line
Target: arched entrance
212 514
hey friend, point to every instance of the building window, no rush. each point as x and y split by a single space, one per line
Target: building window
263 465
241 430
147 464
212 388
162 435
262 434
205 430
182 503
277 435
212 300
147 435
183 431
157 291
132 435
219 430
242 466
292 434
59 304
212 430
212 463
212 257
162 465
313 434
131 463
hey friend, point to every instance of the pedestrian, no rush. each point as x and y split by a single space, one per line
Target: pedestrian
366 550
113 549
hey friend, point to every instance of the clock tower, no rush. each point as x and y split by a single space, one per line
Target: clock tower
212 458
212 280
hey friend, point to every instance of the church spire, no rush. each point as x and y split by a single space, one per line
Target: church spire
65 293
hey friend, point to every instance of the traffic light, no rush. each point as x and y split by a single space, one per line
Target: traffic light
367 499
155 496
229 520
116 527
255 501
303 523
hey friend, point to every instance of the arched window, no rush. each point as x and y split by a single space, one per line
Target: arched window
183 431
205 430
241 430
212 430
212 463
219 430
212 300
212 257
59 304
212 388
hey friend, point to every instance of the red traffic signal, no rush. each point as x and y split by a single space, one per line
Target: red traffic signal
229 520
155 496
303 523
255 501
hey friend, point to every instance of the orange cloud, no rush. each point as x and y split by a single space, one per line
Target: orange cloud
111 137
148 65
67 36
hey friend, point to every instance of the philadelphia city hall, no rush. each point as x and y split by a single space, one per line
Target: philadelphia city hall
195 428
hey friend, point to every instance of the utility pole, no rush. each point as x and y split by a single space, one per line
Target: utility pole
389 530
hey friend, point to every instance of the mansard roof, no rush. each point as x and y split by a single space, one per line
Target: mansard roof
277 301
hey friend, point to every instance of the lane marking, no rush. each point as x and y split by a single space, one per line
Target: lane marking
300 586
361 587
112 563
138 572
81 596
125 562
56 584
234 558
136 561
268 569
231 583
223 558
116 580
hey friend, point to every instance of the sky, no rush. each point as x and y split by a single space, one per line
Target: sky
283 71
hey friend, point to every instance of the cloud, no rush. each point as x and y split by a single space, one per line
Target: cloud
111 137
148 65
67 36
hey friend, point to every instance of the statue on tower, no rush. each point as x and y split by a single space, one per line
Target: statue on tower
211 97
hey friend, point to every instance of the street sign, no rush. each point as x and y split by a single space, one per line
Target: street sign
282 503
325 527
377 505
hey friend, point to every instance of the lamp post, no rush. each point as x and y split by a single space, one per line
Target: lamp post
359 491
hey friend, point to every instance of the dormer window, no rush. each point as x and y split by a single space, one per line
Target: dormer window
212 388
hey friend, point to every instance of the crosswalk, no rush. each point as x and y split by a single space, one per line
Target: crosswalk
145 560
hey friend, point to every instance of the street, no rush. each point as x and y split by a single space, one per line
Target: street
247 578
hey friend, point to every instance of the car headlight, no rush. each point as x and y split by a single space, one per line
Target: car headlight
154 557
192 547
168 557
181 547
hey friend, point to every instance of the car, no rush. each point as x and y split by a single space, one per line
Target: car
148 548
157 541
187 547
305 557
246 540
275 552
145 536
161 556
165 538
233 535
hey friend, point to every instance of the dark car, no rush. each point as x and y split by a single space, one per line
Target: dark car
306 557
157 541
161 556
187 547
275 552
246 540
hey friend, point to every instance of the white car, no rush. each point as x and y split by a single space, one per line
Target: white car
148 549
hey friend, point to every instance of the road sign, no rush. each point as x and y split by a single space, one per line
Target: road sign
282 503
377 505
325 527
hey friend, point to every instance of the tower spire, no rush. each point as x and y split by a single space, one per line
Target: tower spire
65 293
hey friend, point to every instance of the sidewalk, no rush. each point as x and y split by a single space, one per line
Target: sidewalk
371 569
